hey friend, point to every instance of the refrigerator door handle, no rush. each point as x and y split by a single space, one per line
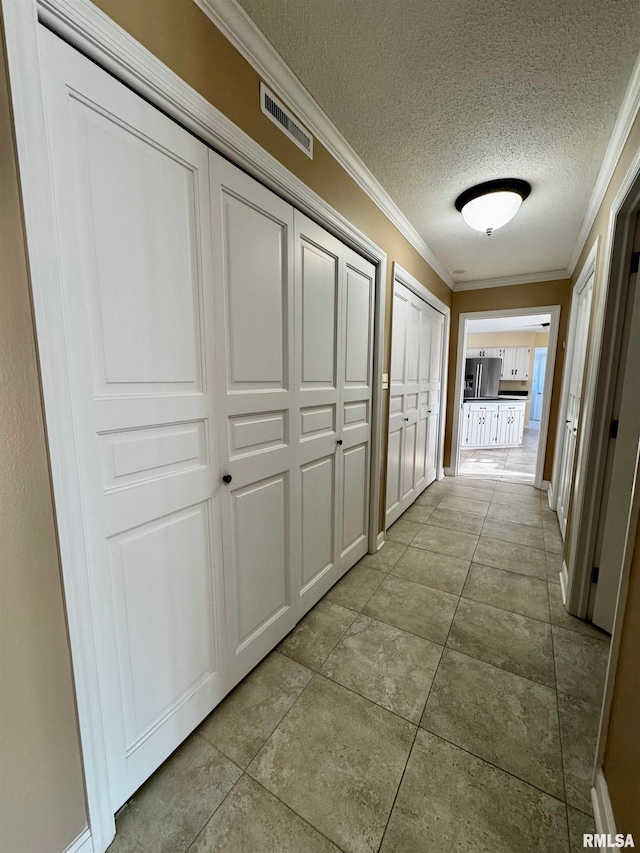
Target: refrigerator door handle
479 394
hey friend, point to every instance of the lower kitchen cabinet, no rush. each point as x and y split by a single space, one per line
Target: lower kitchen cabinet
493 424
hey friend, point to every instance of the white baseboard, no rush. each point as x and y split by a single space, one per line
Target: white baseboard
381 539
602 811
448 472
551 497
564 581
546 485
82 844
441 474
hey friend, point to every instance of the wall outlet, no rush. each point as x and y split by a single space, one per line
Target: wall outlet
385 381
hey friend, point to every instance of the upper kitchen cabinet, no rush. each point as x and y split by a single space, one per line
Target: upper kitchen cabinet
515 362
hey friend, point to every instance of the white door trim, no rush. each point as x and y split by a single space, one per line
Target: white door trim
88 29
401 275
554 311
585 274
599 389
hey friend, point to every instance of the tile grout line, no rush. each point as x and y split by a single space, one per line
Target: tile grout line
562 764
214 812
393 804
492 764
291 809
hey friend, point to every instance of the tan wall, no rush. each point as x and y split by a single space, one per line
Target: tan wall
622 758
513 339
42 806
500 298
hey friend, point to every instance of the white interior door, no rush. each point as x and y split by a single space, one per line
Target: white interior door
537 386
319 350
258 418
354 410
431 392
131 191
395 442
576 362
415 399
622 463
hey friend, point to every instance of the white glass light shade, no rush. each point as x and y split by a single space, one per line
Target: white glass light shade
491 211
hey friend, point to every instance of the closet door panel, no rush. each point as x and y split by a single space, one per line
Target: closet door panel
259 422
319 350
134 310
396 406
256 316
355 482
354 424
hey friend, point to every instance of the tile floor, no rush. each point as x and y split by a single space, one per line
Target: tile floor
438 698
515 465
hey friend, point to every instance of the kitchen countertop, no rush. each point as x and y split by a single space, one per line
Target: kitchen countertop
495 399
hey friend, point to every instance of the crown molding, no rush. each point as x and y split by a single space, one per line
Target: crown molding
621 129
508 281
238 28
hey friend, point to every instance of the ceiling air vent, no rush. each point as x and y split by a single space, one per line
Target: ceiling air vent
280 116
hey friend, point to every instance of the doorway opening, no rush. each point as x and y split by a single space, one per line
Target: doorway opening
503 394
537 385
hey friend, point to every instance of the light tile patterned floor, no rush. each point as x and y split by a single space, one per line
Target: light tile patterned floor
511 465
438 698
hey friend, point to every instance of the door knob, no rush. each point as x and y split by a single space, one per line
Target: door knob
339 441
227 478
406 419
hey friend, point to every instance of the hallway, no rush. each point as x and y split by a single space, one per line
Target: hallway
438 697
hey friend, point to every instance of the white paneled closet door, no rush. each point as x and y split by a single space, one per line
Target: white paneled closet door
219 351
258 415
354 410
395 443
319 350
431 392
574 397
334 301
131 192
415 400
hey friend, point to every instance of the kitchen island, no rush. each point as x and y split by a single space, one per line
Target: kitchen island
493 422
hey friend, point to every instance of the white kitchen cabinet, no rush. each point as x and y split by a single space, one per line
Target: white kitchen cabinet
484 352
493 424
480 426
515 362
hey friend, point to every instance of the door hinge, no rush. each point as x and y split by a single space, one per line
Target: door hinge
635 262
613 429
595 573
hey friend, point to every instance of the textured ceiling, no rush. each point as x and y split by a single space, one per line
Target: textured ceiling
533 322
438 96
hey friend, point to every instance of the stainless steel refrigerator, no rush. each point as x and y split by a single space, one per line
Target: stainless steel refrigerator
482 377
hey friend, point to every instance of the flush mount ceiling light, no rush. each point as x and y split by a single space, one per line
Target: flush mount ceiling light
491 205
